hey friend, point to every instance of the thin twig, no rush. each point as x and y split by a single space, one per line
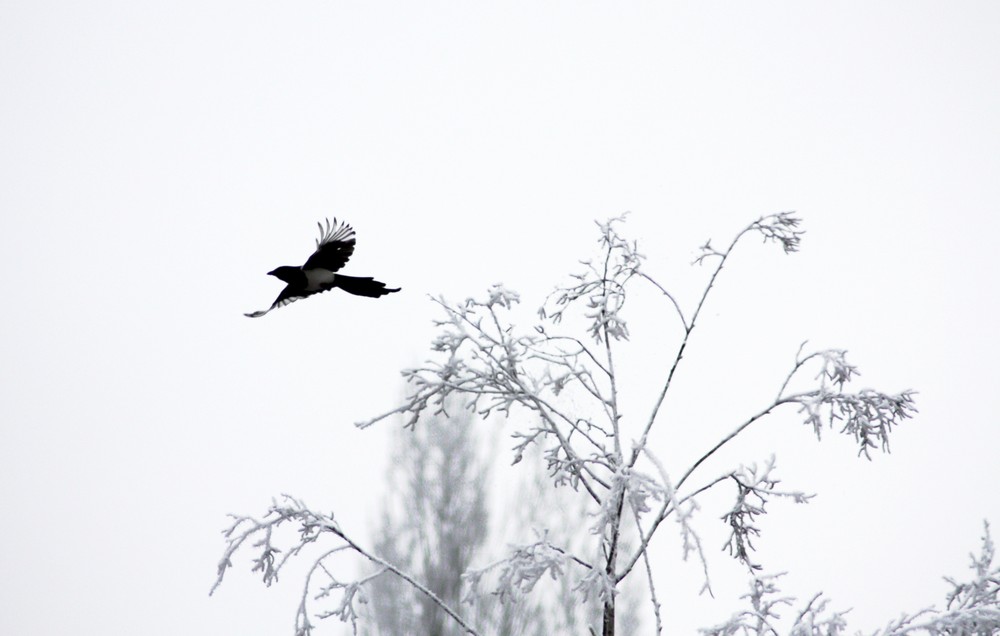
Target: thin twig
680 313
680 351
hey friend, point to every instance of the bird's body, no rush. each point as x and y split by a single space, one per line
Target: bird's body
319 279
317 275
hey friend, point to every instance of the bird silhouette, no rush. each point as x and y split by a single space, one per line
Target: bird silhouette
333 248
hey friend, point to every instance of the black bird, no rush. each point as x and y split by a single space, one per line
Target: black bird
333 247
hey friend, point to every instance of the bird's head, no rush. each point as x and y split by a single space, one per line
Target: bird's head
286 273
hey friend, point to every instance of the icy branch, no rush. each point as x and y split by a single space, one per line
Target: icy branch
762 617
600 287
521 570
972 608
753 490
867 415
310 526
492 368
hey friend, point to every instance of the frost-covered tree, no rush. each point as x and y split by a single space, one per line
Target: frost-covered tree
558 385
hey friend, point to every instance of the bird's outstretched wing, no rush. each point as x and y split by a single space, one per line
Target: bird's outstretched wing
333 247
287 296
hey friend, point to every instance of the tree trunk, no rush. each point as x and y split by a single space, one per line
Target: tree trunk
609 605
609 618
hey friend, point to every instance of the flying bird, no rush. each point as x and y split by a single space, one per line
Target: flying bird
333 247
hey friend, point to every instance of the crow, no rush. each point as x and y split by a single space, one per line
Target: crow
333 247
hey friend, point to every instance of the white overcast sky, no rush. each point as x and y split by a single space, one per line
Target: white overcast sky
157 159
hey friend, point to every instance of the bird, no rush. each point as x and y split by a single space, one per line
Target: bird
333 248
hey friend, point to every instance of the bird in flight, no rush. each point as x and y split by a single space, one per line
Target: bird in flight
333 247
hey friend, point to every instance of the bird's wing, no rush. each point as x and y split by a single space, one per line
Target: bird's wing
288 295
334 246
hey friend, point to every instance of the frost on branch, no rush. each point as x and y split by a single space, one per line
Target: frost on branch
483 362
634 487
519 571
983 591
271 559
492 368
754 488
310 526
601 286
597 585
867 415
780 228
972 609
762 618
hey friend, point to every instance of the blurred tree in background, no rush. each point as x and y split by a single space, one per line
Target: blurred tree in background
434 522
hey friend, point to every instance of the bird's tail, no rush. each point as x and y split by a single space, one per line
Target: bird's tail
368 287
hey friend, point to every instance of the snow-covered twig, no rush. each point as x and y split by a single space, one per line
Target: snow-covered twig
311 525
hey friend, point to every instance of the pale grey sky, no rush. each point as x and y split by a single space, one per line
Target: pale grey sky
159 158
